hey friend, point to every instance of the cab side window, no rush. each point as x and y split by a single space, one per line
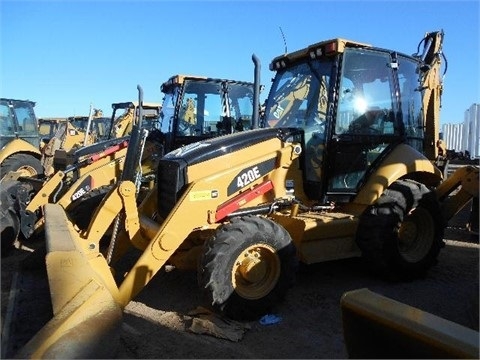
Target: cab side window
7 125
411 103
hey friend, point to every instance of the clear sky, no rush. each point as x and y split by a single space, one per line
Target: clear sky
66 55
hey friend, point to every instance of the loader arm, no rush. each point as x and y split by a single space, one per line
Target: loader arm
195 209
82 284
97 170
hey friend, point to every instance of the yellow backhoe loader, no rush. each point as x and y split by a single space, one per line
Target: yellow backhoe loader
344 167
19 138
197 108
72 134
47 127
50 128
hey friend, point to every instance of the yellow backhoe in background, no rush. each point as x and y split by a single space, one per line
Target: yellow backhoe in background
95 124
344 166
19 138
75 164
72 134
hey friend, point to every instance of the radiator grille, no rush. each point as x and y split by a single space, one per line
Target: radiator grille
171 181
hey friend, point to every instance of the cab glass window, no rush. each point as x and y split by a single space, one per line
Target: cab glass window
365 120
26 119
365 96
300 95
7 123
411 102
168 111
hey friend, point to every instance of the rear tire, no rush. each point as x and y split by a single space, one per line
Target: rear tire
29 165
248 267
402 233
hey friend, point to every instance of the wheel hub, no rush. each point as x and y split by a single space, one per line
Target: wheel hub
408 233
256 271
251 268
416 235
27 170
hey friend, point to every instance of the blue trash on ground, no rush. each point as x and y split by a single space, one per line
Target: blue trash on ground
270 319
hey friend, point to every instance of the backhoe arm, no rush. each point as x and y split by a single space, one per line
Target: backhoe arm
457 190
431 84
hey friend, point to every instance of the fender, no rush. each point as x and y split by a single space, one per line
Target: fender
401 161
17 146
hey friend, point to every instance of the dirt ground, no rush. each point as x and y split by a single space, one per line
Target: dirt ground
157 323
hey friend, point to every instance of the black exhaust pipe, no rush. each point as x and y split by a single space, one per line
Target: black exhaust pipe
256 92
133 153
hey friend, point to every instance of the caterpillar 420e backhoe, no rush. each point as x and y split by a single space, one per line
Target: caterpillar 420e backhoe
343 167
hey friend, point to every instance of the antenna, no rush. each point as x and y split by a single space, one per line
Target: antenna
284 41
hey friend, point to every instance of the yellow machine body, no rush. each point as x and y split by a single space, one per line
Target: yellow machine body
243 208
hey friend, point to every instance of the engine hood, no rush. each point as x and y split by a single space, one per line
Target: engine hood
212 148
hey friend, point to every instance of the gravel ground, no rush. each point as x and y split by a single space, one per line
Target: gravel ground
157 323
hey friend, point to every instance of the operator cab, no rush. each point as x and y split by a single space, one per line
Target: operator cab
18 120
353 103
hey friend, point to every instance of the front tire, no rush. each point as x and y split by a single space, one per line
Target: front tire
248 267
402 233
27 164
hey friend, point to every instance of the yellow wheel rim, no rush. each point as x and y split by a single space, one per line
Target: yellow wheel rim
27 170
416 235
256 271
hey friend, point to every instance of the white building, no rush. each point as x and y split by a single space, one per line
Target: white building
466 135
453 136
471 137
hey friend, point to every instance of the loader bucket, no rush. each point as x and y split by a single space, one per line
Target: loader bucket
86 316
378 327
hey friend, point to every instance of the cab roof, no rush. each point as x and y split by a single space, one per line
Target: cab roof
180 79
326 47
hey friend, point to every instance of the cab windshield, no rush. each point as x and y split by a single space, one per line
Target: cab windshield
7 121
17 120
21 121
298 99
299 95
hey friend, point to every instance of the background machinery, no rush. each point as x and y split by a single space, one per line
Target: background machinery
75 165
344 166
77 127
80 176
19 138
70 134
196 108
47 127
